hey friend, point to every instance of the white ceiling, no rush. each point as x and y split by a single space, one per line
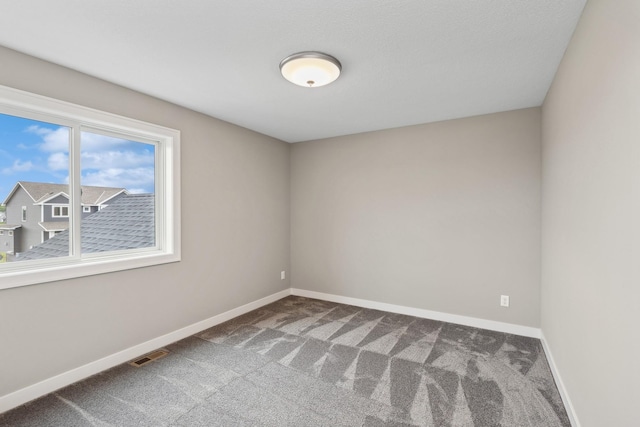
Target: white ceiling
404 61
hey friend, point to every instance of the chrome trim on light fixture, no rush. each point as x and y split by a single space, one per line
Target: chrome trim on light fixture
311 54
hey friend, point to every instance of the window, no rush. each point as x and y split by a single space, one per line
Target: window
128 168
10 233
129 198
1 232
60 211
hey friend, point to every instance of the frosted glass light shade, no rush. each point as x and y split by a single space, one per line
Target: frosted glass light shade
310 69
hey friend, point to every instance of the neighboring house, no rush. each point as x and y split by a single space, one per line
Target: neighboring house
128 223
37 211
8 235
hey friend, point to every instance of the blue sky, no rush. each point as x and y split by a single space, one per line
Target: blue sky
36 151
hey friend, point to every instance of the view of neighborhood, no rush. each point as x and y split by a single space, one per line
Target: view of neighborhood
117 187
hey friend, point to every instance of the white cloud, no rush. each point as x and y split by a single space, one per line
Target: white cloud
115 159
96 161
136 178
92 142
58 161
18 166
38 130
105 161
53 140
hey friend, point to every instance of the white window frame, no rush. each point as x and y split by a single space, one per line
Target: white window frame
10 233
23 214
86 209
167 191
1 232
61 207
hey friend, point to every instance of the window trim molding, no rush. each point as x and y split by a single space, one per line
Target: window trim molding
61 207
168 209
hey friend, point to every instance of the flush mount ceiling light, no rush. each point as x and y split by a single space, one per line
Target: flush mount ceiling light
310 69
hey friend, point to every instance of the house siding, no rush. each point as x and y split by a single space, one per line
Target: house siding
60 200
7 242
47 213
31 232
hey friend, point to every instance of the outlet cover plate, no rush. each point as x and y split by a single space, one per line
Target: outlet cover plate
504 300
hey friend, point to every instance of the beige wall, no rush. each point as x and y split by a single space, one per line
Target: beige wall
235 239
591 215
443 216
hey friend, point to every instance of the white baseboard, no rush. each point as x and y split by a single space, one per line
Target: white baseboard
509 328
573 417
52 384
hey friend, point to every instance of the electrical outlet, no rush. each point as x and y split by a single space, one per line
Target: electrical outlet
283 275
504 300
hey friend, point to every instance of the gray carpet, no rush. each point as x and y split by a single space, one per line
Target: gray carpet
305 362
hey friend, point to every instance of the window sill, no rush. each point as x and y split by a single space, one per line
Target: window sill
72 268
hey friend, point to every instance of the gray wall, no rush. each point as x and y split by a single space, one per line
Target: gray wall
235 239
443 216
30 232
591 215
47 210
7 242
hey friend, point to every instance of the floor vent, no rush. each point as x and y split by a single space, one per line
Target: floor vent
147 358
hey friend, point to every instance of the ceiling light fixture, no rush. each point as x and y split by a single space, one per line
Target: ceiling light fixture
310 69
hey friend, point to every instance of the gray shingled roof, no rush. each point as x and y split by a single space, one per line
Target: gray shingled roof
40 191
127 223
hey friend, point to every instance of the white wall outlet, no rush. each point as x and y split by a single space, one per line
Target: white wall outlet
504 300
283 275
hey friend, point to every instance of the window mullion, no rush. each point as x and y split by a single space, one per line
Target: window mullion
109 141
75 214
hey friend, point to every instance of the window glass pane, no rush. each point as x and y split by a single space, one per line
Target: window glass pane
118 187
34 177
